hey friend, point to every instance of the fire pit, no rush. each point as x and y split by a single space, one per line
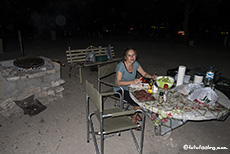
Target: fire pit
26 76
29 62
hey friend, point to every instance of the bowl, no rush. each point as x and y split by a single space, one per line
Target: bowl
162 80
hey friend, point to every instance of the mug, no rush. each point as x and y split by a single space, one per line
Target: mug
198 78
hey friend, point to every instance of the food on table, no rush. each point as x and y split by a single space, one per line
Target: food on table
143 80
142 95
165 79
162 80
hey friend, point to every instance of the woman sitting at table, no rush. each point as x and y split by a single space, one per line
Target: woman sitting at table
126 75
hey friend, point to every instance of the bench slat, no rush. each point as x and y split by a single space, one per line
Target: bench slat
77 59
82 61
84 56
84 52
88 49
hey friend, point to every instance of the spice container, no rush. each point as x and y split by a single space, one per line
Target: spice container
161 97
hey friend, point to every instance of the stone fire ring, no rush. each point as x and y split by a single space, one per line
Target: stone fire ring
29 62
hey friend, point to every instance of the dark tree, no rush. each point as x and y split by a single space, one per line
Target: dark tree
209 8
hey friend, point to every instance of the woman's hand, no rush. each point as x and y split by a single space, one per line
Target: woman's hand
154 77
136 81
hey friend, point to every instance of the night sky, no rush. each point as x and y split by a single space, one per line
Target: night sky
39 17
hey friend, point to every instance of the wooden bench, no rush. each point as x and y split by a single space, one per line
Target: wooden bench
79 58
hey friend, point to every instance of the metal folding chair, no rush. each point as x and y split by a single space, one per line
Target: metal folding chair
112 120
104 72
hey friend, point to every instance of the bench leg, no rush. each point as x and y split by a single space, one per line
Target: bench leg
70 69
80 75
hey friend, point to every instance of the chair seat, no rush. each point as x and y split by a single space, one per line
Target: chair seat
116 124
111 96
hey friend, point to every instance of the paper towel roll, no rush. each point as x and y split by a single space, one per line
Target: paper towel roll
181 73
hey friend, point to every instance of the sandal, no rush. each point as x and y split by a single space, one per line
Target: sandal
139 118
138 128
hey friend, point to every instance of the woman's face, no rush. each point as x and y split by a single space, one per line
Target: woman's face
130 56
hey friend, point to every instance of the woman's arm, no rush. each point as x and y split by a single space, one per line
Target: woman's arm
145 74
125 83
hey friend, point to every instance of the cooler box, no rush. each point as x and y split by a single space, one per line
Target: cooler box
101 58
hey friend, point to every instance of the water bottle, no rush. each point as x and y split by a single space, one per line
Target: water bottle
209 77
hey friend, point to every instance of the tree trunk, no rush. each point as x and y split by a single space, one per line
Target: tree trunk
186 20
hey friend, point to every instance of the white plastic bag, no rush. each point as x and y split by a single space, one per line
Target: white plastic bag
188 89
90 56
204 95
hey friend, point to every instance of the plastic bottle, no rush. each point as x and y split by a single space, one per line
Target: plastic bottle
209 77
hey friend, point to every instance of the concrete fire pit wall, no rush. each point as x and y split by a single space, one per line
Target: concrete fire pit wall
45 83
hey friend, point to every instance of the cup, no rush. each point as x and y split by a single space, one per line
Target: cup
198 78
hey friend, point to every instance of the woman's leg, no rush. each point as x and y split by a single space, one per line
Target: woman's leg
128 98
133 103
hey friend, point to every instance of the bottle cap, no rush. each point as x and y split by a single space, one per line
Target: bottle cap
165 86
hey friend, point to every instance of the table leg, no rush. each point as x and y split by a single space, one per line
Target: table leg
166 127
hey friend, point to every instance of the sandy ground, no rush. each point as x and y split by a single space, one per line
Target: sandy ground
61 128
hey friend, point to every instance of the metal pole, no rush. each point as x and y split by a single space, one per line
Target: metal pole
21 44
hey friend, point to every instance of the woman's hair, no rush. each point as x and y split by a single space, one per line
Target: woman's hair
127 50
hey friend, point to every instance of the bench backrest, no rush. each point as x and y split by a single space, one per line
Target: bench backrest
79 56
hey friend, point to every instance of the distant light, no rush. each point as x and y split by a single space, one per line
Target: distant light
162 27
181 32
131 28
154 27
223 33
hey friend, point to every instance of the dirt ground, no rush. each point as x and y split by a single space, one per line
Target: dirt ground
61 128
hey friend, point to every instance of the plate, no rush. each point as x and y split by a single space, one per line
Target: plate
140 85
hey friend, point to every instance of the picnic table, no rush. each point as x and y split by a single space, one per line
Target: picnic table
179 109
